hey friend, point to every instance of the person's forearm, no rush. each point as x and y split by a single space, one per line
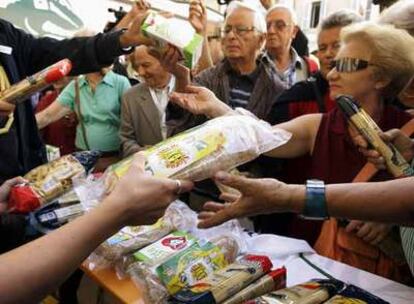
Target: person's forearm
29 272
391 201
303 130
205 61
42 120
182 78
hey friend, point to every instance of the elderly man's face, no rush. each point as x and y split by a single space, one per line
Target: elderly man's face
240 39
149 68
280 30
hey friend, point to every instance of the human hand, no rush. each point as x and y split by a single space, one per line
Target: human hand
6 108
200 100
170 61
198 16
370 232
267 3
141 198
5 191
402 142
258 196
133 36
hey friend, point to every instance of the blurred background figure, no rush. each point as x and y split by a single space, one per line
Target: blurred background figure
62 132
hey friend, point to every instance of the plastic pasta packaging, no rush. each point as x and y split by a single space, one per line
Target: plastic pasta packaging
142 264
186 267
226 282
355 295
274 280
177 32
50 180
57 213
219 144
312 292
178 216
35 83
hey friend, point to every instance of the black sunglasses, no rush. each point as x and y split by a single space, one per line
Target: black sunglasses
349 65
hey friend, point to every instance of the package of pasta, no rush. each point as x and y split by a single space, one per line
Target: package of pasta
226 282
186 267
142 264
49 181
178 216
174 31
219 144
35 83
316 291
355 295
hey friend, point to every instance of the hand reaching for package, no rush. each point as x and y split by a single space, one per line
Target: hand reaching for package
258 196
198 16
200 100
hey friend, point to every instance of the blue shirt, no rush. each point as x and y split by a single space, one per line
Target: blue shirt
100 111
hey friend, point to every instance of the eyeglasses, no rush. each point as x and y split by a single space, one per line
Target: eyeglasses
239 30
279 25
349 65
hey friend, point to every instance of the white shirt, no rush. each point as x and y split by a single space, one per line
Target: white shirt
161 98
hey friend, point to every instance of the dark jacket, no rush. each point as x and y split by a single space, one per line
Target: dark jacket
21 148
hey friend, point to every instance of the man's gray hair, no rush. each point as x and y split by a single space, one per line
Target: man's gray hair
287 8
400 14
259 21
340 18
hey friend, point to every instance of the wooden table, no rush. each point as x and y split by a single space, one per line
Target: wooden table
123 290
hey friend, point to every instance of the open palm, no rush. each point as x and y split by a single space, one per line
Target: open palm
200 100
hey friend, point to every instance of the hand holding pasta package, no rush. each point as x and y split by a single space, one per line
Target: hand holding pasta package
219 144
48 181
174 31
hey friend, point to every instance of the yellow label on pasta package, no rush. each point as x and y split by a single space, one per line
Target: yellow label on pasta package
191 265
177 153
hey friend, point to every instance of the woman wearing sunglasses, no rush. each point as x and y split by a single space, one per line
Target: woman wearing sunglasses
374 64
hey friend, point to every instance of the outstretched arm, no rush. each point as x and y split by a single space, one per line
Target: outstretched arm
390 201
29 272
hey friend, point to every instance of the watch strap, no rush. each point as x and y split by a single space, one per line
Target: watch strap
315 204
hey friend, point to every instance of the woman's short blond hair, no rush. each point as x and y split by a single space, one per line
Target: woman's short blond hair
391 49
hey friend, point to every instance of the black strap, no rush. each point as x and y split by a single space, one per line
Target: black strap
79 114
323 272
319 98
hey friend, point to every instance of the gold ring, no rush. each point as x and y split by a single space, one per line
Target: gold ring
178 182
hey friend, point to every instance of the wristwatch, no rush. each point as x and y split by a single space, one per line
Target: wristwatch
315 204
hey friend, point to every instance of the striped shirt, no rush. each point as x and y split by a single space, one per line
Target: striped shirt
241 87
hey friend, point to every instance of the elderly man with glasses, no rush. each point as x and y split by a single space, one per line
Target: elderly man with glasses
281 23
242 78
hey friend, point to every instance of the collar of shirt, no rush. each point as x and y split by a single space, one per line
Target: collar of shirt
108 79
296 65
160 96
228 69
296 61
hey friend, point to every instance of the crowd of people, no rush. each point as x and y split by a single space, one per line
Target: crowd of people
121 107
